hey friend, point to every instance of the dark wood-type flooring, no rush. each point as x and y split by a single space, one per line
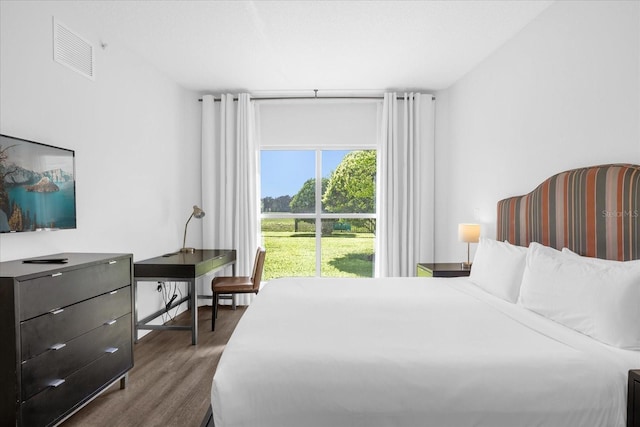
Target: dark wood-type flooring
170 383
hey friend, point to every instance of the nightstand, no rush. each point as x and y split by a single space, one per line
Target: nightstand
442 269
633 399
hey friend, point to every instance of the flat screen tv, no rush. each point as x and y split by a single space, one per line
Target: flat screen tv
37 186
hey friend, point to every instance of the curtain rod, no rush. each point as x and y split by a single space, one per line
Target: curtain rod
314 97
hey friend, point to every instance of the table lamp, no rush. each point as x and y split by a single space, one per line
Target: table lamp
469 233
198 213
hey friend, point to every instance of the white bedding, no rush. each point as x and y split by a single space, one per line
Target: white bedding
411 352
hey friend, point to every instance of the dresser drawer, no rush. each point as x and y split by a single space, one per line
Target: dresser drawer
52 365
53 403
43 332
60 289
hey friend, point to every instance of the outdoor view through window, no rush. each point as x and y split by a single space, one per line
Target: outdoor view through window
318 212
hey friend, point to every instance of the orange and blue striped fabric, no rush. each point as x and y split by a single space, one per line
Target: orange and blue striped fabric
594 211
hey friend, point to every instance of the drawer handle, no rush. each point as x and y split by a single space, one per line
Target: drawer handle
112 262
56 383
111 350
58 346
56 274
113 292
110 322
57 311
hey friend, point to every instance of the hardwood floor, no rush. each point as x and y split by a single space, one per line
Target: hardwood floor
170 383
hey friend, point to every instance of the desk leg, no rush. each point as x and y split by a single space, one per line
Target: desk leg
194 311
233 296
135 311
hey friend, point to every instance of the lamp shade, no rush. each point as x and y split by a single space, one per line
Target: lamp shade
469 233
197 212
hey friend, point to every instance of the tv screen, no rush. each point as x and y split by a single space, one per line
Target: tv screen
37 186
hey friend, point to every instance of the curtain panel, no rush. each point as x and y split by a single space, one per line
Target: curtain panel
405 180
230 184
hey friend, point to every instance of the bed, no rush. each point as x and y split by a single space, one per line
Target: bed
542 333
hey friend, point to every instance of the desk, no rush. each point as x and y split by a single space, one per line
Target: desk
179 267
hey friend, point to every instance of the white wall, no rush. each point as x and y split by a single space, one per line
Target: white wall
564 93
135 134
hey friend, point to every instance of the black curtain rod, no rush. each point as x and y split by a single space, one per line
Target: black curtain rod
314 97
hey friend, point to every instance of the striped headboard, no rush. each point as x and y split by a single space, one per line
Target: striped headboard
594 211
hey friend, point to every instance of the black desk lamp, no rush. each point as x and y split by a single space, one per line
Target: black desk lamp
198 213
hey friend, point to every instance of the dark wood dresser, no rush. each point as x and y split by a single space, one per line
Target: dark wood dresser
66 332
633 404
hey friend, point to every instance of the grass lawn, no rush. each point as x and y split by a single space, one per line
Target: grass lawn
290 253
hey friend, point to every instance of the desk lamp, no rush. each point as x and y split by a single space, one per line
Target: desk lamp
198 213
468 233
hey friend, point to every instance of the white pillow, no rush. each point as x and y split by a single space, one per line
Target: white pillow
498 267
599 299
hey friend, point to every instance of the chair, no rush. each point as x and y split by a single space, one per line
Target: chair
237 285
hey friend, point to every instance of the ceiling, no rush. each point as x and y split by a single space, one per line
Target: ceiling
289 46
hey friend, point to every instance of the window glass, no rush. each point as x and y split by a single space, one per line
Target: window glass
290 252
283 174
318 212
348 248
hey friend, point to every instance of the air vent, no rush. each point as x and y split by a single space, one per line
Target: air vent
71 50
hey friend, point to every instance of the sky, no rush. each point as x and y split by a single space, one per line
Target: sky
282 173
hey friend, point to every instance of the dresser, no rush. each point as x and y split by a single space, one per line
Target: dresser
66 331
633 399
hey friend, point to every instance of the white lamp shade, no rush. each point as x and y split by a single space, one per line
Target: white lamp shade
469 233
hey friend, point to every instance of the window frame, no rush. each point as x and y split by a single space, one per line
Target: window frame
318 215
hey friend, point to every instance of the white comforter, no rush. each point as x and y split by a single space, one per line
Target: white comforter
411 352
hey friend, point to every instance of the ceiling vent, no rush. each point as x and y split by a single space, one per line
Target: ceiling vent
73 51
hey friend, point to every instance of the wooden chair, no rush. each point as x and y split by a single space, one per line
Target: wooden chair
237 284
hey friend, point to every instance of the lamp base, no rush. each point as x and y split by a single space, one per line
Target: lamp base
188 250
466 265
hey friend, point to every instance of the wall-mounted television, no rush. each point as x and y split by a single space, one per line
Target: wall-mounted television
37 186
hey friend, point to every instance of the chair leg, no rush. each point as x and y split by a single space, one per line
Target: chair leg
214 312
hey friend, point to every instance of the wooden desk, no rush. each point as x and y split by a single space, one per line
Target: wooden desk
179 267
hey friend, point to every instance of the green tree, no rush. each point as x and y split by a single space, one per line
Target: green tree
15 220
351 187
266 204
282 203
304 201
279 204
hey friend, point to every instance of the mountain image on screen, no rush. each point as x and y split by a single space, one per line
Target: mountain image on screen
37 186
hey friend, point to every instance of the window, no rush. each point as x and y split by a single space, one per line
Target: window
318 212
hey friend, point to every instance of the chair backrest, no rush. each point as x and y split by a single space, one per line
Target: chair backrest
258 266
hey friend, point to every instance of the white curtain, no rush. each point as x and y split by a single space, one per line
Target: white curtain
230 184
405 228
